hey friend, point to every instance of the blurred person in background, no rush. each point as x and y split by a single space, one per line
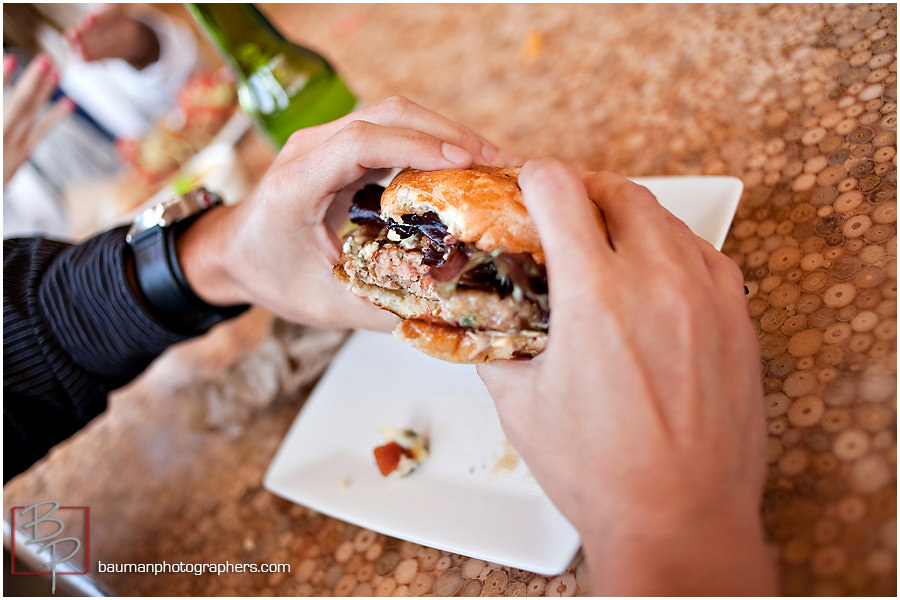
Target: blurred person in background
119 66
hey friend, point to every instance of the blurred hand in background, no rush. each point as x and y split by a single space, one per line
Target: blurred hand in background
112 33
26 116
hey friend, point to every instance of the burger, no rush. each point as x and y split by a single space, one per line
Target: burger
456 256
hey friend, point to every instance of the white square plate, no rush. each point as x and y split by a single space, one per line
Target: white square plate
473 495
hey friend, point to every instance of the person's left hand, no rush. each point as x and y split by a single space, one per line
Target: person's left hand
25 122
277 247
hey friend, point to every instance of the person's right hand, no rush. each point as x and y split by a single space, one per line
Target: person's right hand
643 418
25 122
277 247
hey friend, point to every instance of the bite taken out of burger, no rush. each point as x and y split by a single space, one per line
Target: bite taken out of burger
456 256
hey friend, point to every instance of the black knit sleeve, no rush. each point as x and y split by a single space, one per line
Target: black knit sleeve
72 331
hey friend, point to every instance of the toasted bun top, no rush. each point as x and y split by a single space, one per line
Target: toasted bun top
479 205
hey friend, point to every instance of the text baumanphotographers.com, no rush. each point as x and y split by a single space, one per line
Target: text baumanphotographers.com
192 568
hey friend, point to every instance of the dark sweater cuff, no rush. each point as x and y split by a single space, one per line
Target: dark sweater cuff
95 314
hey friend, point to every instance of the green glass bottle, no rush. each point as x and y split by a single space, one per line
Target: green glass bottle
281 85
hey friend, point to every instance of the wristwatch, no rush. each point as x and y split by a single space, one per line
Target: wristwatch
159 276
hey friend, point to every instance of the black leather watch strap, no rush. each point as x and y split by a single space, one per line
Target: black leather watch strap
164 286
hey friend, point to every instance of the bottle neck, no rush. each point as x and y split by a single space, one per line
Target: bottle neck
242 34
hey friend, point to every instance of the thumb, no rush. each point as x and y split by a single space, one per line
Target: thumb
508 382
569 224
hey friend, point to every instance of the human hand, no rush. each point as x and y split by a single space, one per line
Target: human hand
112 33
643 418
277 247
25 122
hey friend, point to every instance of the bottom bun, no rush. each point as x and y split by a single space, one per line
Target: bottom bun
457 345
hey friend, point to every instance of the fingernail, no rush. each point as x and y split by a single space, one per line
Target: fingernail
9 63
455 154
42 62
490 154
511 159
